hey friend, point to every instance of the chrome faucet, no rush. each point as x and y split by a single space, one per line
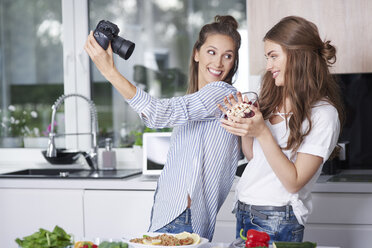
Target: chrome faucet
92 156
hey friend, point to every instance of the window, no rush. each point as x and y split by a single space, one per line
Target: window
42 57
31 64
164 33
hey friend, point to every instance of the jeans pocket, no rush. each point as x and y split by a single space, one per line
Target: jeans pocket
291 230
179 221
169 228
298 233
267 225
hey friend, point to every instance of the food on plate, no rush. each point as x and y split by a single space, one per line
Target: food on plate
152 241
196 238
85 244
45 238
184 238
307 244
255 238
182 235
242 110
104 244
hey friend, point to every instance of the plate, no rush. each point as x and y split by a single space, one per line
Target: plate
95 240
136 245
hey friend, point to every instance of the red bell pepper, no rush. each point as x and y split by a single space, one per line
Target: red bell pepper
255 238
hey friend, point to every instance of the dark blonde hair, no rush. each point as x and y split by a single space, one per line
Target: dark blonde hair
226 25
307 76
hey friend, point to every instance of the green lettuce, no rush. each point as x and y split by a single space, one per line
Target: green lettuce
46 239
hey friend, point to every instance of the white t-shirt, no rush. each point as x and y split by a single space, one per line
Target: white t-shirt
260 186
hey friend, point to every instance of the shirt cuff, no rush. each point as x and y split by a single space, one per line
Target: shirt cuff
140 101
316 150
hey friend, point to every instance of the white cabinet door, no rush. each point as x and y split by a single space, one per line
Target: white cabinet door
341 208
345 236
24 211
224 232
340 219
117 213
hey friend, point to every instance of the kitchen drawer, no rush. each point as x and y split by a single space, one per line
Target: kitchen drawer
341 208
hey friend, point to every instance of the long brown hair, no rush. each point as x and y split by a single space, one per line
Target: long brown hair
226 25
307 76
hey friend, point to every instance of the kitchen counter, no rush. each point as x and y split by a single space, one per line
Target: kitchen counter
323 186
131 183
127 160
138 183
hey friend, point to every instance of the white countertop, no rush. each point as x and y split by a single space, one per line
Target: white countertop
136 182
132 183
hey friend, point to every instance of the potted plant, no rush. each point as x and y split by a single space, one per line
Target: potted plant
14 125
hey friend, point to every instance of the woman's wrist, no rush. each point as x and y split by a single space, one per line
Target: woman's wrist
264 134
111 74
125 88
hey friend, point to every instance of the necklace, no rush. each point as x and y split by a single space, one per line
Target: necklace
281 114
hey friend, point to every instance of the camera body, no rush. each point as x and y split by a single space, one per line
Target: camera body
107 32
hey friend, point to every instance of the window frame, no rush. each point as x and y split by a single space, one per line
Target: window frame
76 71
77 78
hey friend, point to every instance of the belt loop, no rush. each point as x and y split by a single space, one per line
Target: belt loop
287 207
236 207
256 212
249 210
188 215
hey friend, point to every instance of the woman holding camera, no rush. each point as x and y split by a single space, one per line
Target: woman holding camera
293 132
202 159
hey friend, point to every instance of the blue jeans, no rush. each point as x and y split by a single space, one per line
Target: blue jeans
280 225
180 224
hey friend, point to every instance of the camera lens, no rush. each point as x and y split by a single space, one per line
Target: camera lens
124 48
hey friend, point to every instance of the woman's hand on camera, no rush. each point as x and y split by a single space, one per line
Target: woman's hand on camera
103 59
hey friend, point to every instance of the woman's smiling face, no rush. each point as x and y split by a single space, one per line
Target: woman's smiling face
215 59
276 61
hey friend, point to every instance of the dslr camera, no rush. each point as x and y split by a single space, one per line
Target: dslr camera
107 32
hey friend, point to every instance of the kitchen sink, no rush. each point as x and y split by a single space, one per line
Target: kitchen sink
71 173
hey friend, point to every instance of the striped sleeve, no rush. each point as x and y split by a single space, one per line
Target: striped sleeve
160 113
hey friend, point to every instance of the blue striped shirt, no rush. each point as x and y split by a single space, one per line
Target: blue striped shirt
202 157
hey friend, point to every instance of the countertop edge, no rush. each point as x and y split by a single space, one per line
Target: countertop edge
131 183
138 182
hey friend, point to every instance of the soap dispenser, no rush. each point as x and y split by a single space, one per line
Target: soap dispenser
108 156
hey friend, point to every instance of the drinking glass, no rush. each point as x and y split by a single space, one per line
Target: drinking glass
250 97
